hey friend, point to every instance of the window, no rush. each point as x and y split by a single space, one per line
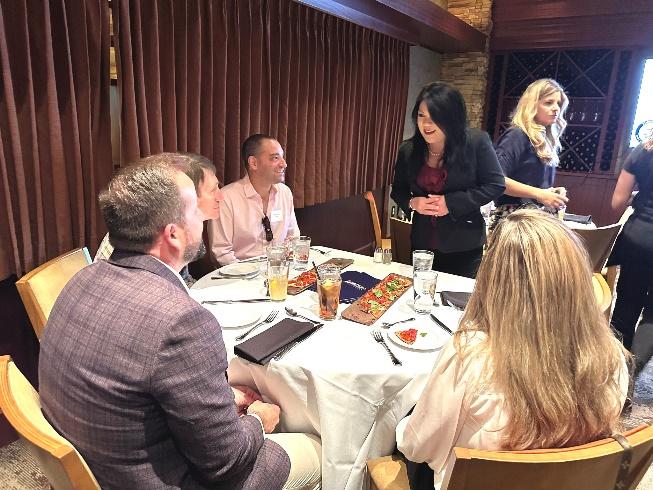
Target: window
643 123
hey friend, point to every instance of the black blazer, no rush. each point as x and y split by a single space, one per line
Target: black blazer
467 188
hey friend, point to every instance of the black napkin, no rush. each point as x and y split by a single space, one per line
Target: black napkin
354 285
578 218
455 298
262 347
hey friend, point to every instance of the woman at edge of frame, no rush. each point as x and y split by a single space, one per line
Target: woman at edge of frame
528 150
445 173
634 251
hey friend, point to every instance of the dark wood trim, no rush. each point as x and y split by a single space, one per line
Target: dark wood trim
418 22
557 24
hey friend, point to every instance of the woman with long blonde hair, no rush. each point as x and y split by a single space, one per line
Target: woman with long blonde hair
534 363
528 150
634 248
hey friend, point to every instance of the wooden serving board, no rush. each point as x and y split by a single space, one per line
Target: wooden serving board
374 303
307 278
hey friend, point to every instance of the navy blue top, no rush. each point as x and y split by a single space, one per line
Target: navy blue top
519 161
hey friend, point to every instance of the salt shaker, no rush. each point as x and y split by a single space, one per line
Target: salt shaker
387 256
378 255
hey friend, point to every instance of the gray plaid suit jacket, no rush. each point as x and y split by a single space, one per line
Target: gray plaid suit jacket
132 372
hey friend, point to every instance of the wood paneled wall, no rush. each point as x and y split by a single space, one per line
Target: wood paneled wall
528 24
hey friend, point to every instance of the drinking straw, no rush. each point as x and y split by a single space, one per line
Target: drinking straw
316 271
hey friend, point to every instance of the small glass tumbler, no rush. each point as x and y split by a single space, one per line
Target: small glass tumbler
422 260
301 251
424 283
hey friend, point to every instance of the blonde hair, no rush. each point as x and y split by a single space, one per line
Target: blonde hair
549 349
545 139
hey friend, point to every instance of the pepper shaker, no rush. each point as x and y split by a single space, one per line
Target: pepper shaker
387 256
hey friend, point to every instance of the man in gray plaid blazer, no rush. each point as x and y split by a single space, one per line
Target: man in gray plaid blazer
133 371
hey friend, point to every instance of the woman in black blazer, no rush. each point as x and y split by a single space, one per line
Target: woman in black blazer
445 173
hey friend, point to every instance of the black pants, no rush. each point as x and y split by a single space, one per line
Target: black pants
460 263
635 286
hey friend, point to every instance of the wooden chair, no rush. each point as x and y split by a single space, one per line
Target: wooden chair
58 459
602 293
400 236
40 288
599 243
380 242
599 465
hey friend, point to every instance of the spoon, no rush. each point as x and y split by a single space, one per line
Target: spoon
292 312
388 325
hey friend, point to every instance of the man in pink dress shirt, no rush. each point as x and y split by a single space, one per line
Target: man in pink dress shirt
258 208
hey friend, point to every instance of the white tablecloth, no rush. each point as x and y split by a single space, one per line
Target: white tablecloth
339 383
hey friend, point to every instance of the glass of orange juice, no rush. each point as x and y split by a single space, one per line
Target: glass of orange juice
328 290
278 280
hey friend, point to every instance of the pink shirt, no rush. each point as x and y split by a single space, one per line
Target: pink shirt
238 233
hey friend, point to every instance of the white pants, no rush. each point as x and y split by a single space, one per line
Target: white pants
305 452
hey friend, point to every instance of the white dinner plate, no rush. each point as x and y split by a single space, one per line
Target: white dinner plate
429 341
238 269
234 315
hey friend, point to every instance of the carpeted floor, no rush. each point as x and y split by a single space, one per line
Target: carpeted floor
19 471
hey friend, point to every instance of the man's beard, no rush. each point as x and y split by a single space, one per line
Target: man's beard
193 249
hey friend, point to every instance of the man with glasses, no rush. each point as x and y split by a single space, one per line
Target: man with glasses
258 208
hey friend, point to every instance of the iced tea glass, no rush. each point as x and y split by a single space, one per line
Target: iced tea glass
328 290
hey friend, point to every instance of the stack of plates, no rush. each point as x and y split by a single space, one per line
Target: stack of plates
239 270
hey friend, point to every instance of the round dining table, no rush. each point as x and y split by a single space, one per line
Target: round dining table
339 383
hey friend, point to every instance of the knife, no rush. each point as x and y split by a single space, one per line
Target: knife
228 301
440 324
287 348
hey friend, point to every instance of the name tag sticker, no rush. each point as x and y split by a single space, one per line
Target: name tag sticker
275 216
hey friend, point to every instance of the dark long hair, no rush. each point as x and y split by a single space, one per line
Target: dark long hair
447 109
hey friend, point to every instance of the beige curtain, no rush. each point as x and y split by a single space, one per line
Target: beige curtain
55 151
202 75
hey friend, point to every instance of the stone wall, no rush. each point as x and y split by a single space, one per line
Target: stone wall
468 71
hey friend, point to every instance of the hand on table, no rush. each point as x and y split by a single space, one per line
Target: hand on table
244 397
268 413
552 198
432 205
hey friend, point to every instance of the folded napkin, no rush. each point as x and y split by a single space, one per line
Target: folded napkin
578 218
262 347
455 298
354 285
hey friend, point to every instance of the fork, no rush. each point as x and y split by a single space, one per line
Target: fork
389 324
379 338
268 319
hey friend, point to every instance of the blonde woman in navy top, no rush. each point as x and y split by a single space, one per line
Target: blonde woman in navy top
528 150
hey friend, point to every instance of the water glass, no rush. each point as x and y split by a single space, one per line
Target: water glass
278 281
301 250
276 254
328 290
422 260
424 283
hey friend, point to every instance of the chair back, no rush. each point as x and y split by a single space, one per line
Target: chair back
401 245
599 243
63 466
40 288
374 214
601 465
